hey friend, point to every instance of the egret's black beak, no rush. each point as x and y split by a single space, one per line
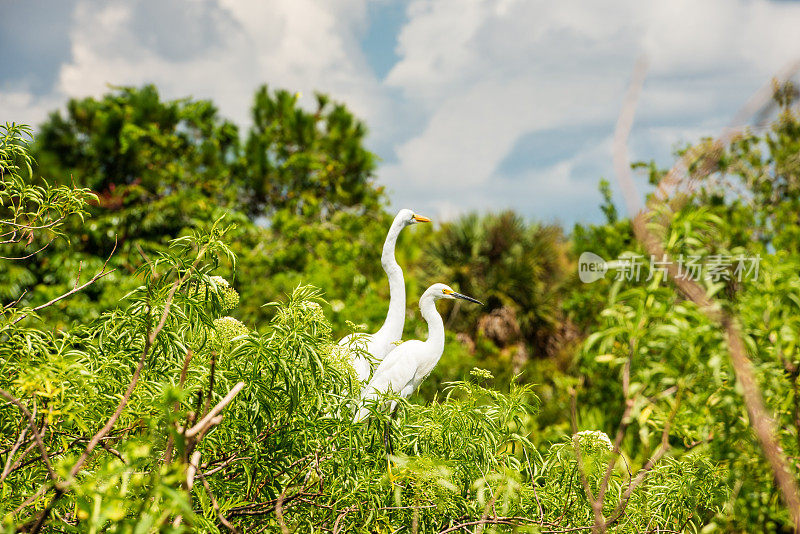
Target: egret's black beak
460 296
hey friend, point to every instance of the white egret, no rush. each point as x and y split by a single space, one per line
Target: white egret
409 364
379 344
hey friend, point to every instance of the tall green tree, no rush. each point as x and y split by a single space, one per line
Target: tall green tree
162 168
156 165
309 162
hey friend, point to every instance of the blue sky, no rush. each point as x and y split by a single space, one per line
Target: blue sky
471 104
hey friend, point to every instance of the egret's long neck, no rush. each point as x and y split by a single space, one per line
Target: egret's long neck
427 305
395 318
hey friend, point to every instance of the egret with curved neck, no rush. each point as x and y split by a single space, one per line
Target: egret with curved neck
409 364
376 346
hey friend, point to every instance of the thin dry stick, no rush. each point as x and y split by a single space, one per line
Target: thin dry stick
485 515
215 504
14 303
34 253
103 272
497 520
15 448
340 517
32 425
211 416
184 373
760 420
191 471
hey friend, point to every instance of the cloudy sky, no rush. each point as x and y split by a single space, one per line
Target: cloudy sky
471 104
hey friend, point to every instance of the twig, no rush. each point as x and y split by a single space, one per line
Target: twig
29 255
78 276
495 520
15 448
184 373
215 504
340 517
14 303
489 505
210 416
191 471
211 377
32 425
103 272
279 513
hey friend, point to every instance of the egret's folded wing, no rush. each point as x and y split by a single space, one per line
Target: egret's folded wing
393 374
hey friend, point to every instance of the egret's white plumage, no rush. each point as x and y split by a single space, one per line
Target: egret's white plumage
409 364
379 344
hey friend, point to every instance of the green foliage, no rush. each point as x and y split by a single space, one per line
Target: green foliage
240 406
227 427
162 169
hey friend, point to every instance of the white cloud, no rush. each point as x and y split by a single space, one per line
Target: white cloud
298 44
21 106
496 72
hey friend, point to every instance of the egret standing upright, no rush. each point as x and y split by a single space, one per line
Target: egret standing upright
409 364
379 344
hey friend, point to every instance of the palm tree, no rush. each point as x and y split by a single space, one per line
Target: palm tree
509 264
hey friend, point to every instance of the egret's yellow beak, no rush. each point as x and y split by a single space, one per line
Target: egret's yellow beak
420 218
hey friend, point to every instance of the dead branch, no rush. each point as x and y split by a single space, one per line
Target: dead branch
211 416
17 444
215 505
35 431
102 273
184 373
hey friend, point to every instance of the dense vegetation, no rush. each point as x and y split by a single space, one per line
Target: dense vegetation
173 288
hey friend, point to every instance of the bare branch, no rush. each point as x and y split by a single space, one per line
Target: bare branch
215 504
103 272
15 448
279 513
184 373
14 303
191 471
32 425
29 255
210 416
